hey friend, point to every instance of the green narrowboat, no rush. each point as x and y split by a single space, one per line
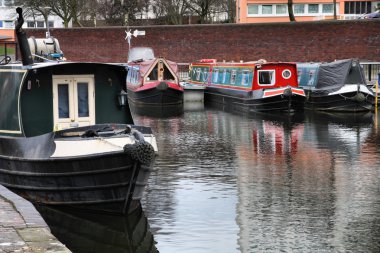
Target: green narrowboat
67 136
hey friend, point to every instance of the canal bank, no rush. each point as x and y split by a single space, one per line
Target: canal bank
22 229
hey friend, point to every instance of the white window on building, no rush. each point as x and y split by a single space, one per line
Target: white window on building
313 8
253 9
267 9
40 24
327 8
299 8
281 9
8 24
7 3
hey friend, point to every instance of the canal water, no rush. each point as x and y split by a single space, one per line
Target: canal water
231 182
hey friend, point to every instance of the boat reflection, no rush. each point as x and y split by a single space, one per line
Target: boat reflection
157 111
94 232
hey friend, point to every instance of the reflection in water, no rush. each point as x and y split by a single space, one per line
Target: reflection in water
225 182
94 232
157 111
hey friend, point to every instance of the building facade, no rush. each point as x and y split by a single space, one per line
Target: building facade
8 16
258 11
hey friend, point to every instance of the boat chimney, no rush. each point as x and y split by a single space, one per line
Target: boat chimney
26 56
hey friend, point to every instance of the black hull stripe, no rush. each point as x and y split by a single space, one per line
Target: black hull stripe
64 174
59 189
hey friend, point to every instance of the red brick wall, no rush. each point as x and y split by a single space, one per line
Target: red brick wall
301 41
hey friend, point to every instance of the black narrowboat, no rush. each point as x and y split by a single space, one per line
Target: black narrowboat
338 86
67 136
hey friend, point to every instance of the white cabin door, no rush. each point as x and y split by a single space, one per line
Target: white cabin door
73 101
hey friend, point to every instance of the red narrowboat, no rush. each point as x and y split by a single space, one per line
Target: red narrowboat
253 86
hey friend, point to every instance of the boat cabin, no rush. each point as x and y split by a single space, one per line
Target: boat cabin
151 71
43 97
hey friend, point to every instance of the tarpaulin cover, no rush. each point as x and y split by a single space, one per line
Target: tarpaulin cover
333 75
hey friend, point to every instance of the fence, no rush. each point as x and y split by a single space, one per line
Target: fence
183 71
371 70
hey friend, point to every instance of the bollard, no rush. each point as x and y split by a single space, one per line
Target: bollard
377 90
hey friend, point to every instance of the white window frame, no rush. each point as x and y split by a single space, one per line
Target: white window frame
233 76
273 80
215 75
306 11
245 77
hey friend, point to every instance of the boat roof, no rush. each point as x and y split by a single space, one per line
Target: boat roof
37 65
209 62
140 53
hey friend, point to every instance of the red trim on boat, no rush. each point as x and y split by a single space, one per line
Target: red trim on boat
153 85
298 91
272 93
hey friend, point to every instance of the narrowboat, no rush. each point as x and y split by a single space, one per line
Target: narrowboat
251 86
67 136
338 86
152 81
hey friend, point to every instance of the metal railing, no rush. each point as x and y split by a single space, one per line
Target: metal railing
183 71
371 71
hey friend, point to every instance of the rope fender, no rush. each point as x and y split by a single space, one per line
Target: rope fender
141 150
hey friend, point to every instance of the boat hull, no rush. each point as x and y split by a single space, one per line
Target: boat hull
109 181
161 94
256 100
340 102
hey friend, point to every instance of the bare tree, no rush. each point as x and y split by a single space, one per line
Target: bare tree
172 11
290 10
67 10
119 12
334 6
203 8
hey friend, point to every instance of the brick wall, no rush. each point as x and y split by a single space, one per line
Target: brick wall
301 41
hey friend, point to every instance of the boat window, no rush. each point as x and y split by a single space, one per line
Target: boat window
286 74
83 110
167 73
153 75
215 75
299 75
198 75
129 74
311 77
266 77
205 75
224 75
245 78
233 77
63 101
